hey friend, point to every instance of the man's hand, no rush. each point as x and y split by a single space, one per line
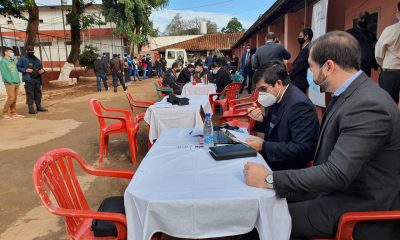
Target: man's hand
256 143
255 113
255 174
29 70
41 71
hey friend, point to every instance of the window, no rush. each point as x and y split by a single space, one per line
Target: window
9 22
40 20
171 55
373 22
180 53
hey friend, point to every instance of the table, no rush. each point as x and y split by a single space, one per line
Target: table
179 189
164 115
199 89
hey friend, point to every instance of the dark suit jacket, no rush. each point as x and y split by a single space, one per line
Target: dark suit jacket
169 80
222 78
243 65
298 73
268 53
291 131
357 158
184 76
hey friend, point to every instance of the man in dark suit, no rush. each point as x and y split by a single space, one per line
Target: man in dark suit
246 69
357 160
367 40
298 73
221 75
290 126
271 51
185 75
169 79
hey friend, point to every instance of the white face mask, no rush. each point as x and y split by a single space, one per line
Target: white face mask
215 71
266 99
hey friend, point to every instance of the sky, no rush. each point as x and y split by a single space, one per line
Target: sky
218 11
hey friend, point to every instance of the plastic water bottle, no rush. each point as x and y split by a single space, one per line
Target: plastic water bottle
208 132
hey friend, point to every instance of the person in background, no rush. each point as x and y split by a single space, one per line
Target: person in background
237 77
10 77
149 65
163 63
169 79
387 53
117 68
100 69
200 73
234 62
180 61
144 67
209 60
366 39
159 67
246 69
185 75
221 76
356 163
290 126
298 73
31 68
135 69
126 71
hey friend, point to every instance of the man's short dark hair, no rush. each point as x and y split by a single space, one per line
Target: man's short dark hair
5 49
398 6
308 32
198 63
175 65
271 36
338 46
273 72
217 62
190 66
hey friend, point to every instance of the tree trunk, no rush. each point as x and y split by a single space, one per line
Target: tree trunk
32 29
76 13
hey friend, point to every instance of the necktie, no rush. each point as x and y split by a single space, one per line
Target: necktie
247 58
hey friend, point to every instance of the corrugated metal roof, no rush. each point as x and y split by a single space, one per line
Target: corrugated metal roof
222 41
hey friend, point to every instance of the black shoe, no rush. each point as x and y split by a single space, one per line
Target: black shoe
31 109
125 87
41 109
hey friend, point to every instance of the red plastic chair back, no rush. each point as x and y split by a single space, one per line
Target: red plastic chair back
97 109
231 91
233 86
55 171
159 83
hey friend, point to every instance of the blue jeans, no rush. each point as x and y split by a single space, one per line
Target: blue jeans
99 78
144 73
135 74
150 69
159 71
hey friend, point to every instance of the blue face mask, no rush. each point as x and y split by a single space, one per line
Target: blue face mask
12 55
310 80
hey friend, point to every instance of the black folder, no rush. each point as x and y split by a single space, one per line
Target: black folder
233 151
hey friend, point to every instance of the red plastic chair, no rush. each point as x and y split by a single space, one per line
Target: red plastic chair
139 117
230 91
250 99
348 221
239 120
55 171
124 125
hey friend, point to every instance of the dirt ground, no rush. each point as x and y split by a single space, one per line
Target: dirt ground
69 123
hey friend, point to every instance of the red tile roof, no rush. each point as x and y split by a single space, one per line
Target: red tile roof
222 41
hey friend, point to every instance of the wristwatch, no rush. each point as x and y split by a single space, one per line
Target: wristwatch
269 179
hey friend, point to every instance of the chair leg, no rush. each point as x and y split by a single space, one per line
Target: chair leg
101 147
106 145
132 147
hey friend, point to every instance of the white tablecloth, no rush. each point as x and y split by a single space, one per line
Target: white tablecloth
179 189
164 115
199 89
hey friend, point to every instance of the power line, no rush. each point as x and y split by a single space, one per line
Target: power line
200 6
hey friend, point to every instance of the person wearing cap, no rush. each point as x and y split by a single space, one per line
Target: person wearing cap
11 81
185 75
32 70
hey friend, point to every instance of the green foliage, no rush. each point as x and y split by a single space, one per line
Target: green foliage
132 18
179 26
85 21
14 8
233 26
88 56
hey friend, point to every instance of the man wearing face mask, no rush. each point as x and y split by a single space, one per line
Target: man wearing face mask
246 69
31 68
356 164
169 79
298 73
366 39
201 72
290 125
185 75
221 76
11 81
387 52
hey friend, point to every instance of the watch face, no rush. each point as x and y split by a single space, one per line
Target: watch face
269 179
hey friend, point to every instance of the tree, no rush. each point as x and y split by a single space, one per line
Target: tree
16 8
132 18
88 56
233 26
178 26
